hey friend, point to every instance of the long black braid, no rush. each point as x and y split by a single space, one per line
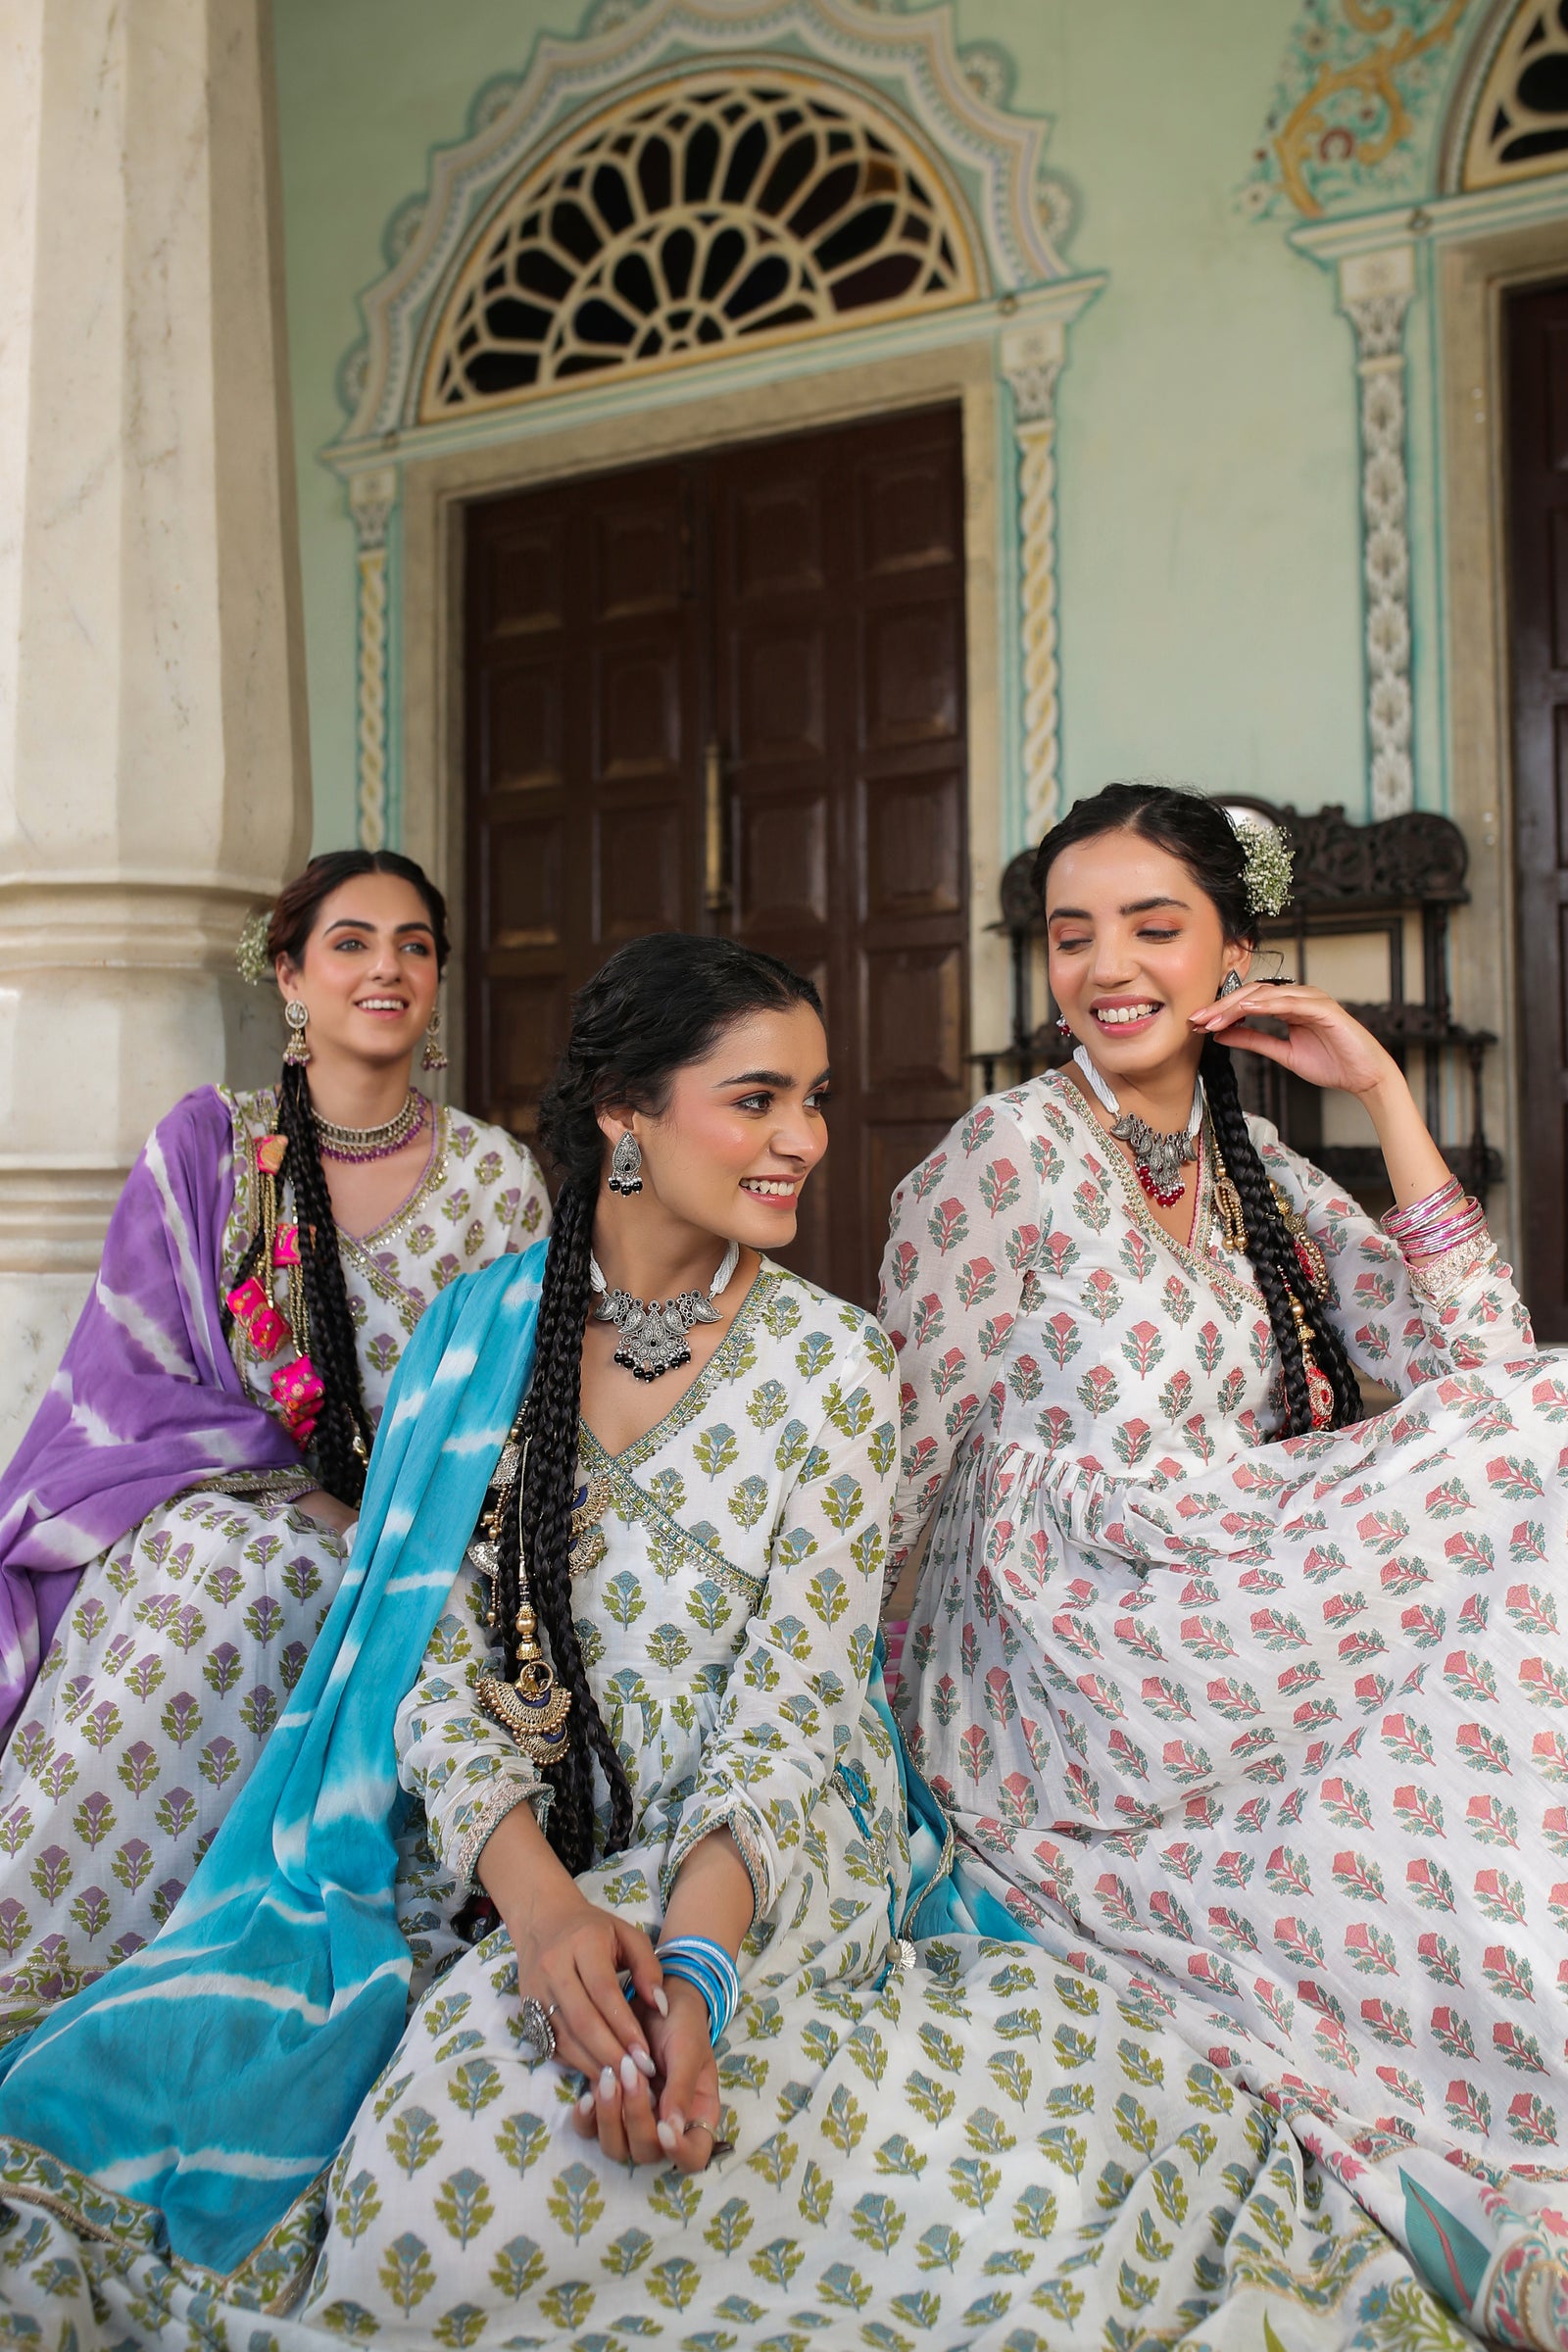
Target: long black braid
1197 831
1272 1251
655 1005
548 1424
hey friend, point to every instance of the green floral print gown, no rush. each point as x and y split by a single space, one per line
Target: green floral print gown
1279 1729
187 1637
943 2140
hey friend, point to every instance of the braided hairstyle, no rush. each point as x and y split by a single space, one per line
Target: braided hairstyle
1190 828
658 1005
342 1418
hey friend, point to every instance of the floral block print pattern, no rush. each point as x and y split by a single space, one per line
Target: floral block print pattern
188 1635
953 2143
1283 1726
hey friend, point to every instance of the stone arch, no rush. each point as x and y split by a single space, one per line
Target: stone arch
714 210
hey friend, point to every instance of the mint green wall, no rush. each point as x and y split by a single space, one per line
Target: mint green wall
1210 604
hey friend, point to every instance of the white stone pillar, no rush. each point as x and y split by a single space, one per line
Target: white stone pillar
154 782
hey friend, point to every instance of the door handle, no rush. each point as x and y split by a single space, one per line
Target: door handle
717 893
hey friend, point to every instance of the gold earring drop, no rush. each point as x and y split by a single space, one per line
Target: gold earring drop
296 1052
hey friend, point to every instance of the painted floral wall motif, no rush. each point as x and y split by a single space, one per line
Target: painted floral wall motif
1356 104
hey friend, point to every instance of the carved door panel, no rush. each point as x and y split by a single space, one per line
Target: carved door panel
1535 328
786 635
838 564
583 757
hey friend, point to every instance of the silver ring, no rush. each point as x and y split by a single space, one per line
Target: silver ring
537 2031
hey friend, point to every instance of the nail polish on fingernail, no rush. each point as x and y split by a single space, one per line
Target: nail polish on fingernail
586 2106
606 2082
676 2120
666 2138
661 1999
628 2073
643 2062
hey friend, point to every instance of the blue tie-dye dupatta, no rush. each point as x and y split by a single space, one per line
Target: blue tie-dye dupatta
214 2074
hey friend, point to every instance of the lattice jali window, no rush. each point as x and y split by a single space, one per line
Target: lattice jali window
719 211
1520 125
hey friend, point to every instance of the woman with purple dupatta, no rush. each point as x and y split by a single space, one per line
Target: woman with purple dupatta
174 1527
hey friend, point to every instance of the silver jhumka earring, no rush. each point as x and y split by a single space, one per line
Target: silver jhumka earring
296 1015
626 1165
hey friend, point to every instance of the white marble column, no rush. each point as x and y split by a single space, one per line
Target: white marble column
154 783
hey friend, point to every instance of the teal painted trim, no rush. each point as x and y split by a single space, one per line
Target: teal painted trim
1437 503
394 674
1010 606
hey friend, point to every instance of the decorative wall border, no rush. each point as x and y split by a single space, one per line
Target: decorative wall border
1375 294
1032 361
373 498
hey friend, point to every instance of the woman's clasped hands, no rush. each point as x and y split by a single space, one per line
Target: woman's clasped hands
652 2078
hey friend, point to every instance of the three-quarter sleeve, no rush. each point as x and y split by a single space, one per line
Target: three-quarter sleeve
962 1248
460 1765
1400 1327
795 1692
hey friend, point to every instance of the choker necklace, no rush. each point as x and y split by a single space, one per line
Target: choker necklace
653 1333
372 1142
1156 1158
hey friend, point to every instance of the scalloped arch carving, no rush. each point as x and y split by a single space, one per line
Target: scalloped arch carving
723 209
962 169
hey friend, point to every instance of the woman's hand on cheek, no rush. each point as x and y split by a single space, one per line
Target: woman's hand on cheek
1324 1044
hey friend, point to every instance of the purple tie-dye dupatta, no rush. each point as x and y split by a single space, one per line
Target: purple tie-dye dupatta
147 1399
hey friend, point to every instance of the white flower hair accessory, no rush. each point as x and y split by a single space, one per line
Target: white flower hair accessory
1269 858
250 951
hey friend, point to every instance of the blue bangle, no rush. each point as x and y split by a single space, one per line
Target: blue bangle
701 1962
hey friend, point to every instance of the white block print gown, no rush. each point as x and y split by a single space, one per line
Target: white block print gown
186 1637
1283 1727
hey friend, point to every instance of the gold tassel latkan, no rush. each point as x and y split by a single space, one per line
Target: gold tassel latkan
533 1710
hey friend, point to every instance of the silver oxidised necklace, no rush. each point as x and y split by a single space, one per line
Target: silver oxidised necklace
1157 1160
652 1331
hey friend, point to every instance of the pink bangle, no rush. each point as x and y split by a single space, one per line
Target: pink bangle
1423 1212
1445 1229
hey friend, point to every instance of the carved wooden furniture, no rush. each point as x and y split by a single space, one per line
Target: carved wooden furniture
1349 880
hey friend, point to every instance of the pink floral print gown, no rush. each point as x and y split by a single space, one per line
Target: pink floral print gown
1281 1726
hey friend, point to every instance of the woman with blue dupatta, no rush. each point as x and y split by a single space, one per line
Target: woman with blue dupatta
730 2064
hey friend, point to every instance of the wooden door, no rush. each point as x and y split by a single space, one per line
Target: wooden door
790 616
1536 353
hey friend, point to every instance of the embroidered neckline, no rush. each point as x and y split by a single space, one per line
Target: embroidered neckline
685 1408
640 1504
1193 1259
